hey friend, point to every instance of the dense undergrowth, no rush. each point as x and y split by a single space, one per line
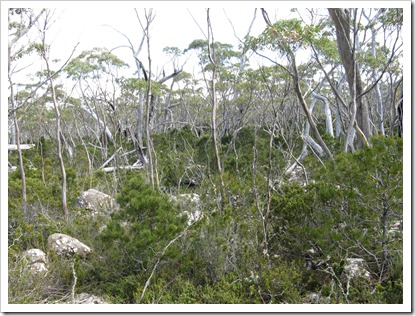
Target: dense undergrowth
232 255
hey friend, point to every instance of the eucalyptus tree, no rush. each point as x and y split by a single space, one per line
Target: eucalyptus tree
227 68
95 74
20 22
381 63
149 17
348 25
192 111
287 37
347 48
239 111
144 77
213 63
43 49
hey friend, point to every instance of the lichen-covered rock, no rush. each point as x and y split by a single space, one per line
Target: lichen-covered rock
66 245
316 298
396 227
96 201
36 259
85 298
355 267
190 205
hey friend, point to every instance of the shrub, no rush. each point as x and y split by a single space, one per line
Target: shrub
347 212
133 240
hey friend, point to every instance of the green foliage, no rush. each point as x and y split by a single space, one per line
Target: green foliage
93 62
134 239
176 158
348 210
286 35
26 287
223 54
391 17
328 48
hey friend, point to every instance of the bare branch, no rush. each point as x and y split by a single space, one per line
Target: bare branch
158 261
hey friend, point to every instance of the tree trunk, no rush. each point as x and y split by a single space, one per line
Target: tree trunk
17 138
211 51
338 113
149 103
296 79
15 134
58 126
342 20
400 115
305 107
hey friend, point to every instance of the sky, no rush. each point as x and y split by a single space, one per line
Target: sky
172 27
175 25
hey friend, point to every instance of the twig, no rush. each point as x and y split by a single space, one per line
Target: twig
158 261
74 282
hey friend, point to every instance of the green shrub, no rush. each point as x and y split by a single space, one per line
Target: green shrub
347 212
134 239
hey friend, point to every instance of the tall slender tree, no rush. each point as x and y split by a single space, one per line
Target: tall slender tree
27 19
347 48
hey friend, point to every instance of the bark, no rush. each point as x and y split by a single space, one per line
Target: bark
16 132
138 143
313 145
18 146
149 99
310 119
111 169
101 124
58 122
110 158
360 111
304 151
348 138
211 52
84 145
380 107
296 79
59 144
400 115
327 110
242 63
22 146
338 113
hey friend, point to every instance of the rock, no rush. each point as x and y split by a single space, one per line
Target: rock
190 204
37 260
297 176
85 298
123 224
191 177
396 227
316 298
355 267
96 201
66 245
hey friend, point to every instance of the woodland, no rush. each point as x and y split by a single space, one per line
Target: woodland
235 185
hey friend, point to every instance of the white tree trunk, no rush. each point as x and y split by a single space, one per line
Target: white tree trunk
100 123
22 146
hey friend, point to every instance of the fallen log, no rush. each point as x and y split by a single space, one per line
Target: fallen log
12 168
22 146
111 169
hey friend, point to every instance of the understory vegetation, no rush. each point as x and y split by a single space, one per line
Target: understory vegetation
231 255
